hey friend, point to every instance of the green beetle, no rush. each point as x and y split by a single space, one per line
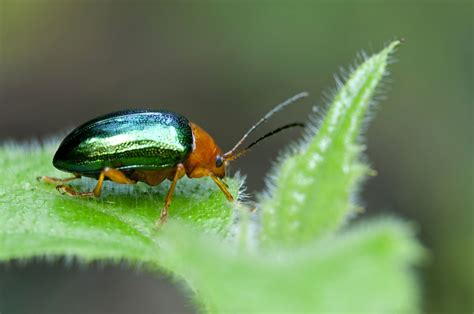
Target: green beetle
147 146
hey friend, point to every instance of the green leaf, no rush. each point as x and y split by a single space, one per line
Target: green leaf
364 270
312 189
37 220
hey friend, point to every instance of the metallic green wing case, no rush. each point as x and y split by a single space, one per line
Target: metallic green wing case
131 139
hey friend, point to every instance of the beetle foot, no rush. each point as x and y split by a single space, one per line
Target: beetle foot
162 220
66 190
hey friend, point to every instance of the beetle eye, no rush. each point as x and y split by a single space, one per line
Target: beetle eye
219 161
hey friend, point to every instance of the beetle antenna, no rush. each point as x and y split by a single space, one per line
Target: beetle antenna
278 130
279 107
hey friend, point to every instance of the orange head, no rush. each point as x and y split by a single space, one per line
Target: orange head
207 159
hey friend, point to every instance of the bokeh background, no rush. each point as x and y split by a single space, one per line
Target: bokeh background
223 65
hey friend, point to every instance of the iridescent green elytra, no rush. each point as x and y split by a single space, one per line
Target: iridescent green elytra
131 139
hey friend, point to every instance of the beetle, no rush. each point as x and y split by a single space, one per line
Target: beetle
148 146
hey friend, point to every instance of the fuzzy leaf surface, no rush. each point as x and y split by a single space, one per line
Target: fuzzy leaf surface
37 220
366 269
311 190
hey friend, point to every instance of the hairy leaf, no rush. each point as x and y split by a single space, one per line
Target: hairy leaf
364 270
37 220
311 190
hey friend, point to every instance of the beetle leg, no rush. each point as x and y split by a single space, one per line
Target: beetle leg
64 189
114 175
223 187
57 180
177 175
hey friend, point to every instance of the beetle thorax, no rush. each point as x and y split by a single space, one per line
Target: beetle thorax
202 160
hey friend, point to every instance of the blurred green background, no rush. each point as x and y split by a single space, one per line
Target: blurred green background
223 65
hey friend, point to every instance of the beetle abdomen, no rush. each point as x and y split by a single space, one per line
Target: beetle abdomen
132 139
